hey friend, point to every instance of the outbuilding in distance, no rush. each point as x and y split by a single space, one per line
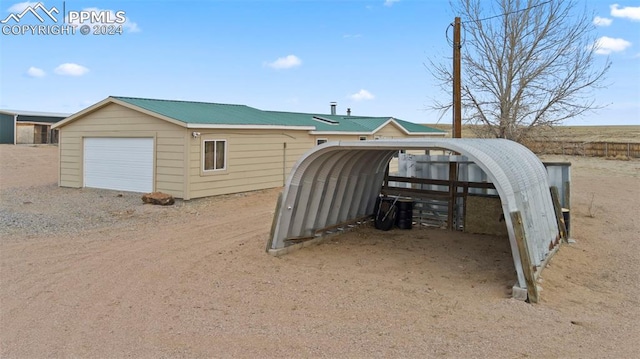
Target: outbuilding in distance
29 127
198 149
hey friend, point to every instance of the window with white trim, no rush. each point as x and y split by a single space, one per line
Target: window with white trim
363 138
320 141
214 155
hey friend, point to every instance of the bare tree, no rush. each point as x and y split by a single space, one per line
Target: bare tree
525 64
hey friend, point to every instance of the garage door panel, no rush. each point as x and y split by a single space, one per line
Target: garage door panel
124 164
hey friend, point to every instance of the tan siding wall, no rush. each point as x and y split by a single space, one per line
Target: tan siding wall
390 131
339 137
70 160
118 121
256 159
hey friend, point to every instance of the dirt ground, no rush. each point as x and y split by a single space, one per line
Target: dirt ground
194 280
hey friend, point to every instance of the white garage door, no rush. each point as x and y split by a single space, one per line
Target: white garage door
124 164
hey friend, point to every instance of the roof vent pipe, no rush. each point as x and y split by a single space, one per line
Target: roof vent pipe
333 107
348 111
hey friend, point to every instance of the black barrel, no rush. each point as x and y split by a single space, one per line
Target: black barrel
404 215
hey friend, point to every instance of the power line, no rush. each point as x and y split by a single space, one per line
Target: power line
450 41
506 13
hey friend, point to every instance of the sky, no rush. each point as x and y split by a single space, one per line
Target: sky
283 55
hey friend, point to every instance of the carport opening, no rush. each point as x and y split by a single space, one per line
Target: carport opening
425 186
439 189
434 188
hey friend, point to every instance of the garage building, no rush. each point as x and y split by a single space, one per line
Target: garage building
29 127
198 149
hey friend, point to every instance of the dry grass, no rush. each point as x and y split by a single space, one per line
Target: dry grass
591 208
630 133
618 158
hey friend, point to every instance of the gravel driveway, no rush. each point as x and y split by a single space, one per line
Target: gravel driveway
50 209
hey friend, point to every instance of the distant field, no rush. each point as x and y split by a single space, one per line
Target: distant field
629 133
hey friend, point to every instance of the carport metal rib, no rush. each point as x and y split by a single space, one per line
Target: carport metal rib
339 182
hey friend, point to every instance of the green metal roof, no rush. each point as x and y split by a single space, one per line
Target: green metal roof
338 123
208 113
224 114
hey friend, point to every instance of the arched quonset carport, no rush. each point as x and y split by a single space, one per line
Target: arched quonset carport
339 182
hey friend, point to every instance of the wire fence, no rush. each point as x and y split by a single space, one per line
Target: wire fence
590 149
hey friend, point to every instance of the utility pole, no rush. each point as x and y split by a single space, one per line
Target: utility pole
457 82
457 122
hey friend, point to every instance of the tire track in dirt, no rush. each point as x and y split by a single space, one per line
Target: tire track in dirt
117 268
194 281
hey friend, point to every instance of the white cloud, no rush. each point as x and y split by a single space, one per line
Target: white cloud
351 36
131 26
607 45
286 62
35 72
390 2
128 25
602 21
362 95
19 7
71 69
628 12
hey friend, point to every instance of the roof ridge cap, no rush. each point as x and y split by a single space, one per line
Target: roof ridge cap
377 117
184 101
301 113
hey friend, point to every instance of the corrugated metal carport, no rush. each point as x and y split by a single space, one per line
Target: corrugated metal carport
339 182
